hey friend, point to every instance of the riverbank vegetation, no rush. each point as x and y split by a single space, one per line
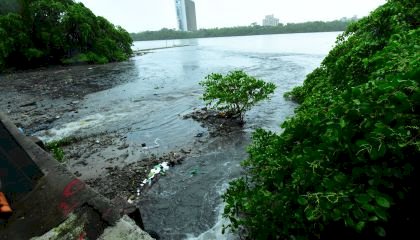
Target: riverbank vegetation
37 33
318 26
235 93
345 165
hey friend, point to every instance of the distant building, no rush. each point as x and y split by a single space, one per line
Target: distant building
185 12
270 20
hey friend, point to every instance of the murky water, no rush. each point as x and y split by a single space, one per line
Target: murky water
164 86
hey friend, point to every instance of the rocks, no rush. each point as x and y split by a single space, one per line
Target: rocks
28 104
199 135
216 122
124 146
83 163
37 141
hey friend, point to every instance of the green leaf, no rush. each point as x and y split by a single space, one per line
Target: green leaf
342 123
383 202
363 198
381 213
302 201
360 225
380 231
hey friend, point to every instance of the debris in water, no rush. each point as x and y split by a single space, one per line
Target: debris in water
159 169
97 141
199 135
28 104
143 145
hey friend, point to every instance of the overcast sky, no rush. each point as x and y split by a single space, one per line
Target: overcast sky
142 15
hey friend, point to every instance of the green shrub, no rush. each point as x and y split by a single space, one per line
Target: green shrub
235 93
56 150
345 166
56 147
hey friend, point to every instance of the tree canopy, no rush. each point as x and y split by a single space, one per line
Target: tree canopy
42 32
317 26
346 165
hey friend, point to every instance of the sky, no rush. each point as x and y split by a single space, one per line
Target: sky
143 15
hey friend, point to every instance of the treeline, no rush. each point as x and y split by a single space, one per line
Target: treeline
346 165
317 26
42 32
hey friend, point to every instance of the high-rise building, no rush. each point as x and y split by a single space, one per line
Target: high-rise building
270 20
185 12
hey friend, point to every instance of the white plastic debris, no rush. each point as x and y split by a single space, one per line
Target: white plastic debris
151 147
157 169
164 166
21 130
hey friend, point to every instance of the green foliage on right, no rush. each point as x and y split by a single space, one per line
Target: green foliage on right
346 165
235 93
42 32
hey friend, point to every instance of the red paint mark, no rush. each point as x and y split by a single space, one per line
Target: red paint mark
66 208
67 204
73 187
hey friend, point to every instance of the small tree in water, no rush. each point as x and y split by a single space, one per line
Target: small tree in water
235 93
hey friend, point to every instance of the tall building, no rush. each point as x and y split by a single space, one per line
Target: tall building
185 12
270 20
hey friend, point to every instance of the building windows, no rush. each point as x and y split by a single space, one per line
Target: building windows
270 20
185 12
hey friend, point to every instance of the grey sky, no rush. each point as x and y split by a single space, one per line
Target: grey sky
141 15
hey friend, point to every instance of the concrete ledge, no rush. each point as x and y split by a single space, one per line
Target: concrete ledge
55 196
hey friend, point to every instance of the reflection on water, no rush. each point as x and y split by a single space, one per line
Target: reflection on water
164 86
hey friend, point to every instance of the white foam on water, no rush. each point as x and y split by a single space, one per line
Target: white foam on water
68 129
215 233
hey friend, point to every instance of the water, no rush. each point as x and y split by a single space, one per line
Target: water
164 86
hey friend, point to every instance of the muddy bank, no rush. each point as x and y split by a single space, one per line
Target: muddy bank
117 168
34 99
217 123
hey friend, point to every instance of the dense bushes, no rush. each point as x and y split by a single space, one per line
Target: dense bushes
345 166
42 32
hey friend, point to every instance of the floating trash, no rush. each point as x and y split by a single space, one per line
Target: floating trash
144 147
159 169
21 130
